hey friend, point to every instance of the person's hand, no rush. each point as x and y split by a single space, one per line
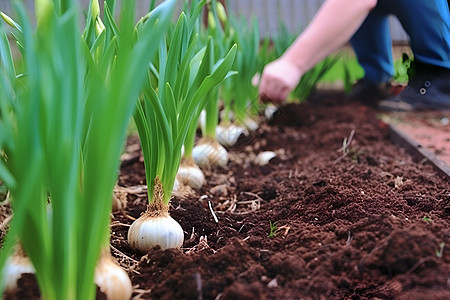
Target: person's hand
278 79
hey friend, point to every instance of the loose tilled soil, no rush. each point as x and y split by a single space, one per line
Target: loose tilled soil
366 222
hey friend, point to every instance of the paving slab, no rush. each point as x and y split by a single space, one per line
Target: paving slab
425 135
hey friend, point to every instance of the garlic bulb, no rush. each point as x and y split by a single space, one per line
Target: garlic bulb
210 153
112 280
228 135
190 174
264 157
270 111
155 227
151 230
16 265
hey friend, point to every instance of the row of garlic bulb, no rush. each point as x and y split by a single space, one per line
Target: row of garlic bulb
155 227
111 279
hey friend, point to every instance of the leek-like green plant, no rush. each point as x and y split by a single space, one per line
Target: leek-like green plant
216 30
208 152
244 94
62 127
189 173
173 97
310 79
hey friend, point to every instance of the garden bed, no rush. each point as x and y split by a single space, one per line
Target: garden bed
364 222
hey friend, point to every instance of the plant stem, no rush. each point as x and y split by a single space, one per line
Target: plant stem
212 114
189 141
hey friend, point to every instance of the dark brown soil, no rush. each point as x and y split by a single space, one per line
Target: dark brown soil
364 223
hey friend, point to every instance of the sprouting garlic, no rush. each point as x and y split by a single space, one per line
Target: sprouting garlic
210 153
270 111
190 174
264 157
155 227
16 265
112 280
151 230
228 135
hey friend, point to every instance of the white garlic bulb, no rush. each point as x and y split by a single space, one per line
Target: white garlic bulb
210 153
270 111
228 135
264 157
151 230
112 280
16 265
191 175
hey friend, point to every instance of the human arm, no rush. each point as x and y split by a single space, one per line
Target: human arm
332 27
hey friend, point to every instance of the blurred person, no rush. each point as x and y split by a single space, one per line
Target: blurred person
365 24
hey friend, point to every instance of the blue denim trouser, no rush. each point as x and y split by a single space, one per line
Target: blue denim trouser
427 23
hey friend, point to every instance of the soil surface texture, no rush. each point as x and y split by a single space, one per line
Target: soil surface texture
319 221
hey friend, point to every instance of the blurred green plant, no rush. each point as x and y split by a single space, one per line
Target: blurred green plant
241 93
404 68
62 127
223 35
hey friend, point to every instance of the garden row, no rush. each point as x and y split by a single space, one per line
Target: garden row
65 106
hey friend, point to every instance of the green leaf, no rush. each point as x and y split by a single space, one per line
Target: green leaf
109 20
70 115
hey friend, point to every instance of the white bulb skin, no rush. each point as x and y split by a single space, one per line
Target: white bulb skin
191 175
209 154
228 135
270 111
150 231
16 265
112 280
264 157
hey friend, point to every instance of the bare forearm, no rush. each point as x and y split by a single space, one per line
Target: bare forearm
332 27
